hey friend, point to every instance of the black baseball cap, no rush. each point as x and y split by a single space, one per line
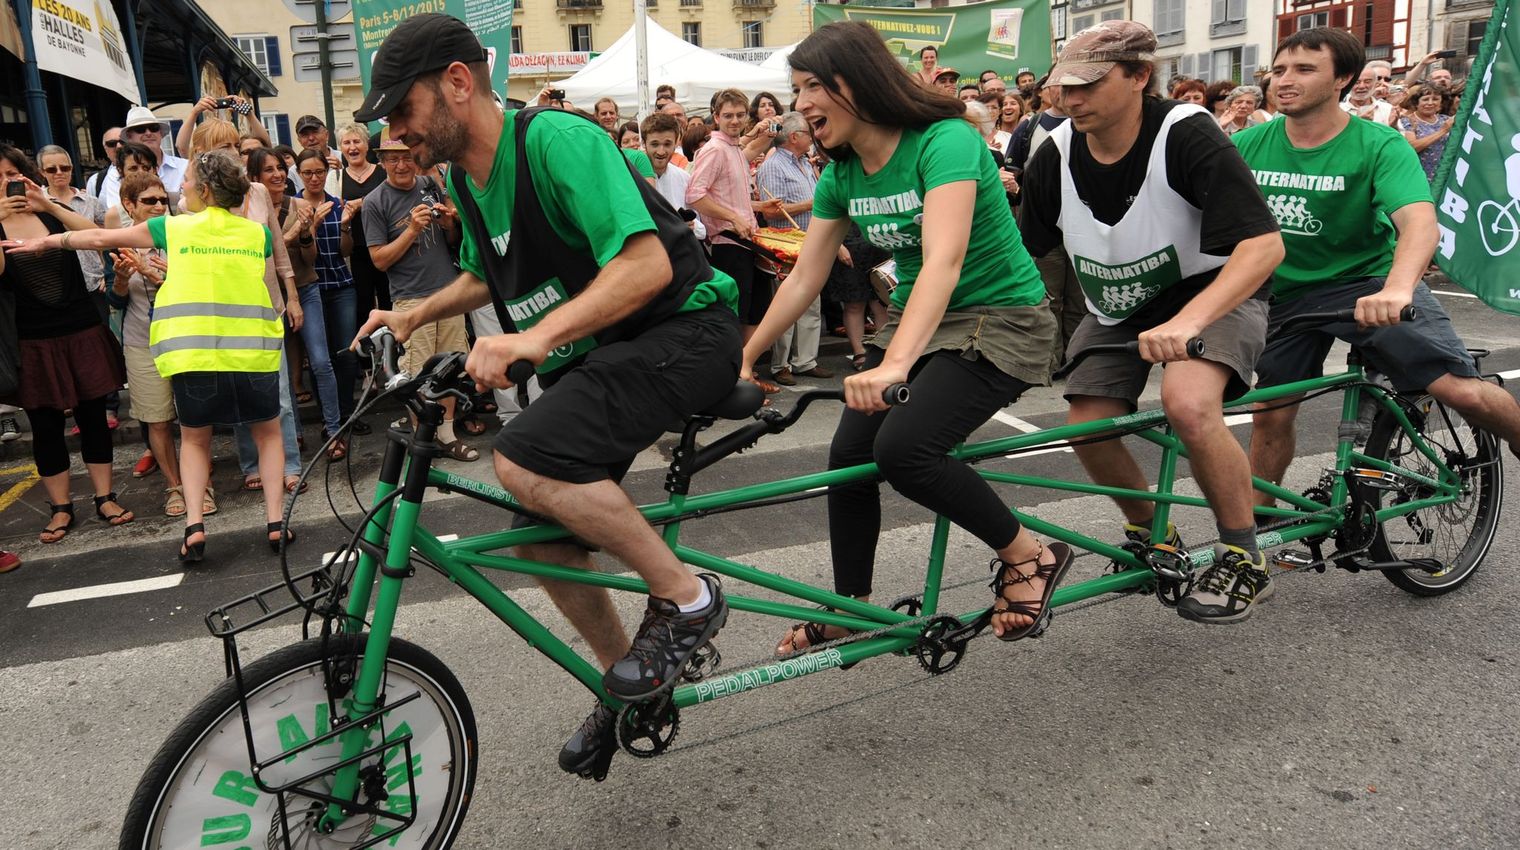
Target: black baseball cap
307 122
422 43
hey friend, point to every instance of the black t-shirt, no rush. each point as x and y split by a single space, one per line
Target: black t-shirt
1202 166
51 298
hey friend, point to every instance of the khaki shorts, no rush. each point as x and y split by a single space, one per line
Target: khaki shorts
151 395
429 339
1236 341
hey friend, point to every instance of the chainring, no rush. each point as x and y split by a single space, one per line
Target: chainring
647 729
936 653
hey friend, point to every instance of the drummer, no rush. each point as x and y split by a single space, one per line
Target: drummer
787 175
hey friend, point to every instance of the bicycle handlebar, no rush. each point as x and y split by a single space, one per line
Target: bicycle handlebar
1195 348
1307 320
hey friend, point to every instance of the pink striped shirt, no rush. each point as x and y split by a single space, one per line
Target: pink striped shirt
721 172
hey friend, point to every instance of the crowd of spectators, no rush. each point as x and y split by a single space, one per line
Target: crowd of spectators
741 171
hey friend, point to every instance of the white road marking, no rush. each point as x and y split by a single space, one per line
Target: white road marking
1236 419
1510 375
1014 422
1453 292
327 556
97 591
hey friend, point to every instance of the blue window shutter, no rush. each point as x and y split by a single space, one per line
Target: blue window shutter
281 129
272 51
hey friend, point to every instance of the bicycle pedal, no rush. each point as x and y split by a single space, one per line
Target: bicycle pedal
1377 479
702 663
1291 559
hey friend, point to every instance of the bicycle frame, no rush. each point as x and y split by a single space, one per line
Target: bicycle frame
463 560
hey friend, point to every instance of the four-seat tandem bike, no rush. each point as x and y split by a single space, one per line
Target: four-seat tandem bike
1414 494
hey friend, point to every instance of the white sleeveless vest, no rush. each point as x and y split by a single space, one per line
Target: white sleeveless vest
1153 247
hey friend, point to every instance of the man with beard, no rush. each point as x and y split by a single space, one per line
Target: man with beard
1025 83
1359 227
611 299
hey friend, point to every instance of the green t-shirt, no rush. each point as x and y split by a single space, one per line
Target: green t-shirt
1333 202
640 161
888 206
587 196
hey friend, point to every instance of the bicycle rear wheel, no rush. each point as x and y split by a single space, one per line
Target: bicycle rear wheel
1457 534
198 790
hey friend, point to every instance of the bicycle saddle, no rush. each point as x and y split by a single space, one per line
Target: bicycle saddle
741 402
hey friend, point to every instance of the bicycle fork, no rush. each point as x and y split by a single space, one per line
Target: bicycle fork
415 458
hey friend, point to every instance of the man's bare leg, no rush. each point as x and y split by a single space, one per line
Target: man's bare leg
589 609
1274 439
601 514
1109 463
1192 394
1483 404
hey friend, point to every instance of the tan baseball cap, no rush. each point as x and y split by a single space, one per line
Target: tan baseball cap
1093 52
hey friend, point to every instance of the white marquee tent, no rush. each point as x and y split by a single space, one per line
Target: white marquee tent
696 73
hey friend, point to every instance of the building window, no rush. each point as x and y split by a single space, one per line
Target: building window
1227 64
263 51
580 37
278 125
1170 17
517 40
1314 20
1111 15
692 32
1058 22
1082 22
754 33
517 7
690 3
1475 31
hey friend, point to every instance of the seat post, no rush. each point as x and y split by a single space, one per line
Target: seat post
678 478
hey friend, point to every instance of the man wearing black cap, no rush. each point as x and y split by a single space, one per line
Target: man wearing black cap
611 298
1151 201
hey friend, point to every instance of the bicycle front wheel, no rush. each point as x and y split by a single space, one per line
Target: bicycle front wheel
198 790
1456 535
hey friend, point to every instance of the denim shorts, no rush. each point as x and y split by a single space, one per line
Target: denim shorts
226 398
1412 354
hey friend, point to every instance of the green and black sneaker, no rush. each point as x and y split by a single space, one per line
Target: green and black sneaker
1229 589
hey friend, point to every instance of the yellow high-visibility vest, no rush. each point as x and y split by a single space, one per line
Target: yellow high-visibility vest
213 312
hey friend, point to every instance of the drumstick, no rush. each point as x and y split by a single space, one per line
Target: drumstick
783 211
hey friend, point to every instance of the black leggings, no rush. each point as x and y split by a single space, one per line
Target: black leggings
50 450
952 397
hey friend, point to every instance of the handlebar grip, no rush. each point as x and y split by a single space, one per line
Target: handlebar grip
895 395
520 372
1195 347
1408 314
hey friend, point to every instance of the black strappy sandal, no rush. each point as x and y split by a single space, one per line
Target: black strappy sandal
1006 575
115 519
61 530
193 553
287 536
815 634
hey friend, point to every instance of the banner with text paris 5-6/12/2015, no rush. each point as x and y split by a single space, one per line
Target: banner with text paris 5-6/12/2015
1006 36
491 21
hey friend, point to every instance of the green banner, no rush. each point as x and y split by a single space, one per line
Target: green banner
1002 35
490 19
1477 188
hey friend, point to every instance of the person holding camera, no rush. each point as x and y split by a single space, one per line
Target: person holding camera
408 228
211 104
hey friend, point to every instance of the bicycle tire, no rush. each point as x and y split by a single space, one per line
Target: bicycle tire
196 787
1458 534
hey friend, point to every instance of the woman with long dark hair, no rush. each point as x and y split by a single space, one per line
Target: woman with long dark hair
969 329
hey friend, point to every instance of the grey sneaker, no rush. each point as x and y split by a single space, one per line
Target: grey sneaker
665 642
9 430
1228 590
1140 536
589 751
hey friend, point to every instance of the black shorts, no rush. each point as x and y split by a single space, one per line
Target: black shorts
755 286
1412 354
591 424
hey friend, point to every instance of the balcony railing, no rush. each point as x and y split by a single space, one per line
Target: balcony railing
754 4
579 4
1224 28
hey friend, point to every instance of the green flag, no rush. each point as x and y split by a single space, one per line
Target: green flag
1477 188
1005 36
491 22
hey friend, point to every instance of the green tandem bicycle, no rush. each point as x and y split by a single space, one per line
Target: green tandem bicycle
356 738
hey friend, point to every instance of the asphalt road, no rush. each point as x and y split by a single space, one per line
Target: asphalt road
1346 714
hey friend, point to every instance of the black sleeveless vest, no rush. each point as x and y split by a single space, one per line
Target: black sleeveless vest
538 271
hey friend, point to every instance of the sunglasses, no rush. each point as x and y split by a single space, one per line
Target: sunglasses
57 169
112 143
157 201
147 128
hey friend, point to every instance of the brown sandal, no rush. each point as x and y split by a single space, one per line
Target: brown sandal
814 634
1006 575
461 451
338 450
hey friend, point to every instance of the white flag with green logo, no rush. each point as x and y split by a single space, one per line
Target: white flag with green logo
1477 188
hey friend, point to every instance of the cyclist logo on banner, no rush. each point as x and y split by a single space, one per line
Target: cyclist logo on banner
1499 224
